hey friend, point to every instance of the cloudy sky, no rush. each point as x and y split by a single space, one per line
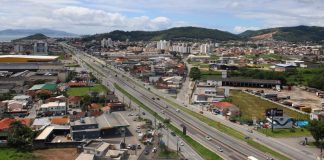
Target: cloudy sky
97 16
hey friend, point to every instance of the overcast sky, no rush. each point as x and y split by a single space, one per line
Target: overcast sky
98 16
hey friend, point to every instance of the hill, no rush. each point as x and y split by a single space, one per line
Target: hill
294 34
178 33
27 32
37 36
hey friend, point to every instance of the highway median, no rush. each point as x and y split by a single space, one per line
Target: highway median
200 149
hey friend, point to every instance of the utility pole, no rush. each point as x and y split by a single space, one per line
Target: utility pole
177 145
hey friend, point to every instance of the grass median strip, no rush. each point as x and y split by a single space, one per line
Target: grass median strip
229 131
200 149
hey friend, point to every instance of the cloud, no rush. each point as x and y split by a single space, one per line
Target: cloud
240 29
88 16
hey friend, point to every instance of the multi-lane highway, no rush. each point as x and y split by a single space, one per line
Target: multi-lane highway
224 145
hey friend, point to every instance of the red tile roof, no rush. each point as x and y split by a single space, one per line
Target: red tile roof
75 98
94 106
223 105
77 84
60 120
5 123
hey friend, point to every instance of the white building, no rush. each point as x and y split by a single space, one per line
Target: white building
163 45
54 108
105 43
18 48
206 48
40 47
182 48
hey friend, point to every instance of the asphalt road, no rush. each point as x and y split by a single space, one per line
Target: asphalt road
232 148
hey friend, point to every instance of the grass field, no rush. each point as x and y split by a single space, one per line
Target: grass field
82 91
210 74
13 154
279 133
253 106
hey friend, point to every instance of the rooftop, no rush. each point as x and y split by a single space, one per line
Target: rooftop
45 86
112 120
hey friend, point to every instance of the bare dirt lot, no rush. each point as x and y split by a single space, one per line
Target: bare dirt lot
56 154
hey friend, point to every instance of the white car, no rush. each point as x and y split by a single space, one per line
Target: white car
177 110
181 143
208 138
154 150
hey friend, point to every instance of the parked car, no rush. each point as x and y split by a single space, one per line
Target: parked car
146 152
154 150
173 134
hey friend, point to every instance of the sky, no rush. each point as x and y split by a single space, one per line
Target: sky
99 16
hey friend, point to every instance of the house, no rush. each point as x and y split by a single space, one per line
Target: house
56 108
56 99
112 107
74 101
40 123
5 125
226 108
60 120
23 98
16 108
94 107
77 84
77 115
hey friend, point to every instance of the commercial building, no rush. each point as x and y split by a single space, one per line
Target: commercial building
40 48
57 108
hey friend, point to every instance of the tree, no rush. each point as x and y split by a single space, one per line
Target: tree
195 73
20 136
316 127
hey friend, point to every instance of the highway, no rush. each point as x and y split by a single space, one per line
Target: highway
231 147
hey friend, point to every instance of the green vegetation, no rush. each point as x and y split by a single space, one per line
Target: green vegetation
21 136
297 34
317 130
310 77
210 74
253 106
195 73
229 131
168 154
179 33
201 150
294 132
82 91
14 154
37 36
265 56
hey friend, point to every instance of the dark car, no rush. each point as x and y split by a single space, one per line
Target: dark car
173 134
146 152
153 98
158 98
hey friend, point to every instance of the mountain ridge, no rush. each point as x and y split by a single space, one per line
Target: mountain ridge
28 32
